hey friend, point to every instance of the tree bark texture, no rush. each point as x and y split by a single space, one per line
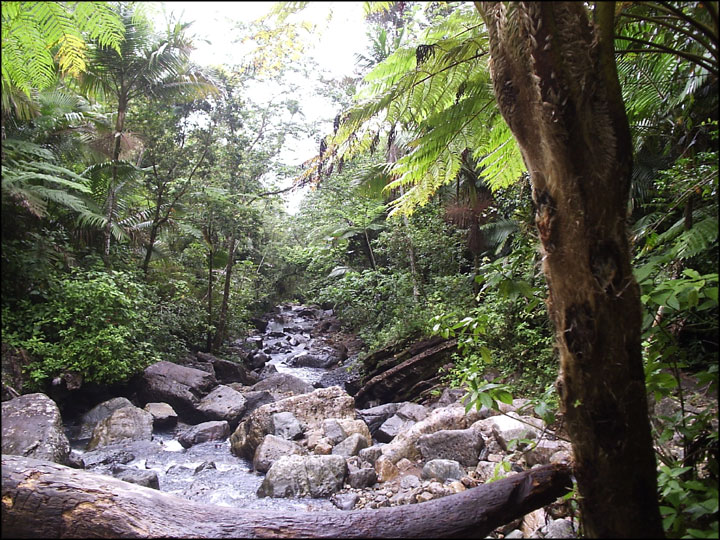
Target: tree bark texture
41 499
222 319
555 80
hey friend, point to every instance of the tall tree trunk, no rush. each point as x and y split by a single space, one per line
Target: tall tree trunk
222 319
555 80
151 242
211 262
110 211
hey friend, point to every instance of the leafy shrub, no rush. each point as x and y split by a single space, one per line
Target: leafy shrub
93 323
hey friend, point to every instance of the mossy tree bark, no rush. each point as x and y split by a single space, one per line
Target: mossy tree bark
555 80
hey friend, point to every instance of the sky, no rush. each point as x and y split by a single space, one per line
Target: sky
341 36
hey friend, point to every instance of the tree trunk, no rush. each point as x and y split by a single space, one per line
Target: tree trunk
556 83
46 500
222 319
211 262
110 212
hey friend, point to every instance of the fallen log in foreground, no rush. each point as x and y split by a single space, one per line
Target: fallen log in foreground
41 499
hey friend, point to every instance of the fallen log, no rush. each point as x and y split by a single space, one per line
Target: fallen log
41 499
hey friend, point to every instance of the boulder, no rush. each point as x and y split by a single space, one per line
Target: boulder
370 454
361 478
310 409
91 418
333 431
406 416
543 452
223 403
271 449
32 427
350 446
136 476
285 425
385 469
129 423
375 416
227 371
442 470
255 399
207 431
351 426
302 476
462 445
282 385
451 417
560 528
505 428
305 359
182 387
164 416
258 359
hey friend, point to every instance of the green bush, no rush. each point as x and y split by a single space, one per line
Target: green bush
93 323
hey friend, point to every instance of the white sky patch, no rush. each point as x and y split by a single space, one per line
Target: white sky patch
341 35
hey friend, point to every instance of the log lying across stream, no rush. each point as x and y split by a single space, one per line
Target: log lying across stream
42 499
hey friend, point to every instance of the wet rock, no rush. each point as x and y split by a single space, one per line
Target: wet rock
164 416
406 416
462 445
271 449
560 528
258 360
136 476
128 423
106 456
205 466
451 417
310 409
347 376
223 403
283 385
227 371
101 411
285 425
181 387
255 399
32 427
333 431
362 478
267 371
509 427
207 431
442 470
345 501
313 360
544 450
370 454
302 476
375 416
350 446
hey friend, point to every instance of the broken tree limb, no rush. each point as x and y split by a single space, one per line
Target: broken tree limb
42 499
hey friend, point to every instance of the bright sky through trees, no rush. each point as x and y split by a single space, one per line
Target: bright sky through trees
340 35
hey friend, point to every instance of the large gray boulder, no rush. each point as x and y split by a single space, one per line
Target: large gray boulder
32 427
223 403
182 387
462 445
511 426
285 425
283 385
215 430
273 448
128 423
450 417
310 409
303 476
91 418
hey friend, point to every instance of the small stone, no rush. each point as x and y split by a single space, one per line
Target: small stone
424 497
515 534
560 528
345 501
409 481
385 469
404 464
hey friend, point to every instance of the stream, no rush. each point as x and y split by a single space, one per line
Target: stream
208 472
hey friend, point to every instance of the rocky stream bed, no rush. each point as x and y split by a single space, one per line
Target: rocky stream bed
275 426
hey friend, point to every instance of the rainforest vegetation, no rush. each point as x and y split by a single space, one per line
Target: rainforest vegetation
143 213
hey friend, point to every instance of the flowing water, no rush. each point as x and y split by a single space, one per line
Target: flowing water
208 472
